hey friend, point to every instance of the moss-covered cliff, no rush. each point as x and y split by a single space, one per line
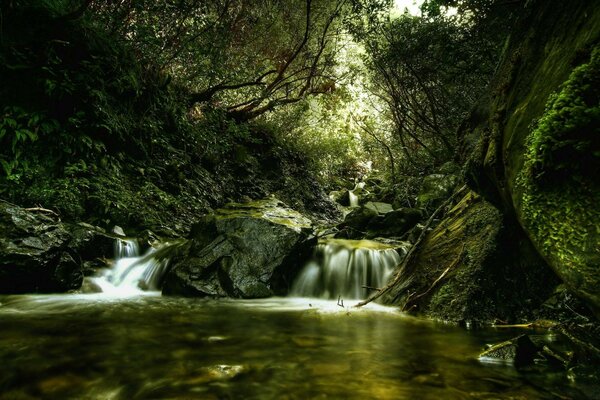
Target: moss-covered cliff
541 151
532 152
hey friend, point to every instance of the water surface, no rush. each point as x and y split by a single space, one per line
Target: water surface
152 347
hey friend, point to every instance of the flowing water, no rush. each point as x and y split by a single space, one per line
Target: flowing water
347 269
129 344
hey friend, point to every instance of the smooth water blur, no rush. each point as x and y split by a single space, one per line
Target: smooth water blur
346 268
152 347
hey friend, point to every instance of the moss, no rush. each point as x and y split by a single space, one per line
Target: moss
558 183
270 209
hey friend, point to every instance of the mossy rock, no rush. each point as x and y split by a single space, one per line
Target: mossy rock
558 186
539 145
464 272
249 250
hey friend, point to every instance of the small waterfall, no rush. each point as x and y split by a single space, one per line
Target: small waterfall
133 273
346 268
126 248
353 199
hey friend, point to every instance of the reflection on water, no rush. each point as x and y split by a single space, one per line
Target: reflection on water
149 347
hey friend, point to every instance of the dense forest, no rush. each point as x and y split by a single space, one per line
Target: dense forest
440 157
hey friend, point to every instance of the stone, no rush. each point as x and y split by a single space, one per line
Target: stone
250 250
117 230
537 153
520 351
92 245
469 269
380 208
394 223
35 254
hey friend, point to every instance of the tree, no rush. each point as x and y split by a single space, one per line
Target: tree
429 72
245 56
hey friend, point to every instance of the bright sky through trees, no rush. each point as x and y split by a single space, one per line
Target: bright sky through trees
411 5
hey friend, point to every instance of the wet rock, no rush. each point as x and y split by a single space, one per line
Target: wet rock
394 223
92 245
540 350
469 269
35 254
89 286
355 224
380 208
520 350
342 197
244 250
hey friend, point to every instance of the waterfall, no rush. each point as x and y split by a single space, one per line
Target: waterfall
352 198
131 272
346 268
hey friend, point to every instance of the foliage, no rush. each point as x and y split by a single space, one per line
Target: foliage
429 73
246 57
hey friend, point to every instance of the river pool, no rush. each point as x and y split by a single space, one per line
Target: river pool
153 347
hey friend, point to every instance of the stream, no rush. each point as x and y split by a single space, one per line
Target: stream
98 346
129 342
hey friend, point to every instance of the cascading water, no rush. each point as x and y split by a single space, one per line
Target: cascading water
132 273
346 268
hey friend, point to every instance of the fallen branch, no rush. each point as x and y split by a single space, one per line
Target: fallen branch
411 252
40 209
370 287
454 264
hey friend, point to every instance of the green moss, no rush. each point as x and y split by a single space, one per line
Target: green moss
558 183
270 209
567 137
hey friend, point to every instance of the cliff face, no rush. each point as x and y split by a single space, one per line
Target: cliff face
534 158
539 145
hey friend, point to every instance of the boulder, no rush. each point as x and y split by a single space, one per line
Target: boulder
250 250
538 149
395 223
35 254
355 224
380 208
92 245
342 197
473 268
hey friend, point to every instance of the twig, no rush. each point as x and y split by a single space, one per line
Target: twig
40 209
370 287
340 301
454 264
411 252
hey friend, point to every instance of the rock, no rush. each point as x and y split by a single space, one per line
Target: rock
34 253
117 230
435 190
380 208
93 246
395 223
355 224
243 250
342 197
537 154
519 351
470 269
